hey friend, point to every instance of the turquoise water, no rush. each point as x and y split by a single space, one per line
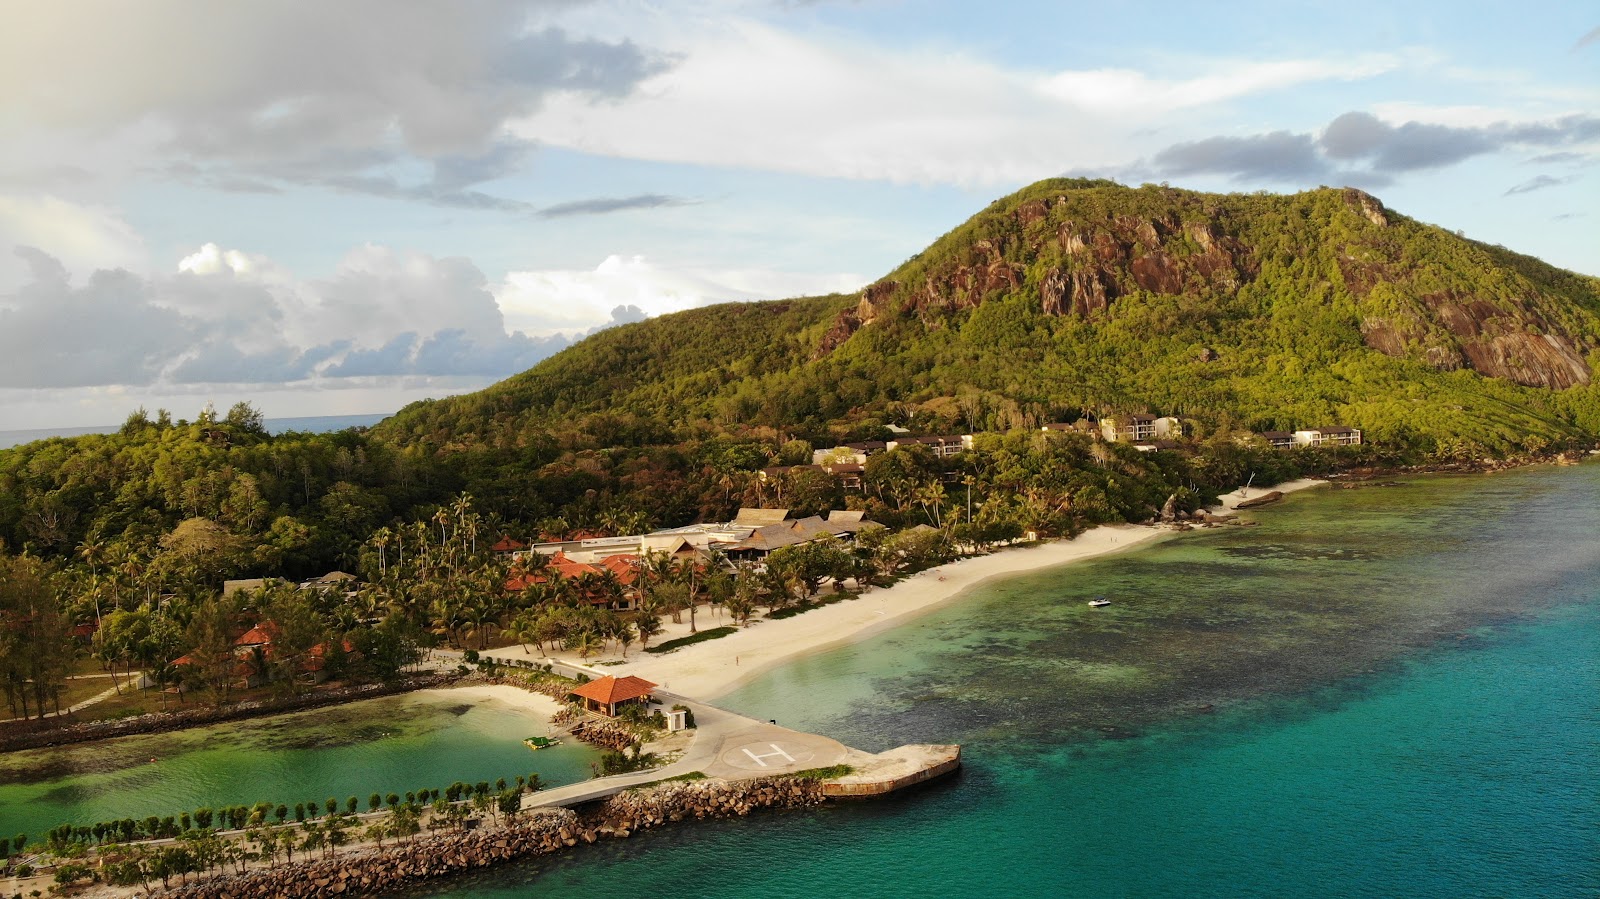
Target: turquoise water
1392 691
394 744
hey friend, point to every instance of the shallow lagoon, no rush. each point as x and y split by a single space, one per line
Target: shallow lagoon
396 744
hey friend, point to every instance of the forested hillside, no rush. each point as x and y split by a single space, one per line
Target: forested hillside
1071 297
1068 299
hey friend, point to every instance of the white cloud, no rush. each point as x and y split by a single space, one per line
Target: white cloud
751 95
548 302
252 96
81 236
211 259
229 317
1128 90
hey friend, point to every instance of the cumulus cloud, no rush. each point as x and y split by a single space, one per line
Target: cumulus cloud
228 317
107 331
1359 147
627 288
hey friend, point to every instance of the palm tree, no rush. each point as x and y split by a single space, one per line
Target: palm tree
624 634
93 553
648 626
524 629
381 539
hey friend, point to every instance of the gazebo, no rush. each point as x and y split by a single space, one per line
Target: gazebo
608 694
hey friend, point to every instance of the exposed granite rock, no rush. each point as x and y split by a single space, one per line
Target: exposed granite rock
1451 331
1368 206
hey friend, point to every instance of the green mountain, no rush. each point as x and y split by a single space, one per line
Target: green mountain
1070 297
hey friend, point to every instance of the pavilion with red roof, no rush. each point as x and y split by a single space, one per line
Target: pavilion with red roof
609 694
508 545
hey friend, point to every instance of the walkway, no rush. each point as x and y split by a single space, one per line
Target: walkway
98 697
725 745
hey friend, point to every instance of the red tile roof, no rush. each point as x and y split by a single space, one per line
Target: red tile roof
610 690
260 635
625 566
508 545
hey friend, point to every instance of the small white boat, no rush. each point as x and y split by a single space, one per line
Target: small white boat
1098 603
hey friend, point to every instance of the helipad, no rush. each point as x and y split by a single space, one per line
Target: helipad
774 750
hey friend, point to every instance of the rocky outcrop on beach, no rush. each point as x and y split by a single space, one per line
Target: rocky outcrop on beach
1264 499
605 734
536 833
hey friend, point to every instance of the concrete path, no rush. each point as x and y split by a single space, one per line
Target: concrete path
725 745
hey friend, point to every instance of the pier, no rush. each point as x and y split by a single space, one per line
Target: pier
728 746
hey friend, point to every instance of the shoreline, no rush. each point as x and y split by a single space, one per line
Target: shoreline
709 671
15 738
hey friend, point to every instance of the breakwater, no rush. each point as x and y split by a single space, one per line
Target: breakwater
541 832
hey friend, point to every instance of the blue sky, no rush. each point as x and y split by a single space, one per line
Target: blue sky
342 207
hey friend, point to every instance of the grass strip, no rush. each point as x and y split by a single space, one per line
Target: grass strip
692 639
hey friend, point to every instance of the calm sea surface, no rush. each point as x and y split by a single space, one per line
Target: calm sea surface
1391 691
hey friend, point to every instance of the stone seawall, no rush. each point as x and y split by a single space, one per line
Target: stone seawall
372 870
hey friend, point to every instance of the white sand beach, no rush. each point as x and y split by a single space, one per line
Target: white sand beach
708 670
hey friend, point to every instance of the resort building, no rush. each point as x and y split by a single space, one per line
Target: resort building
857 452
1081 426
1279 439
610 695
1139 428
1329 436
943 446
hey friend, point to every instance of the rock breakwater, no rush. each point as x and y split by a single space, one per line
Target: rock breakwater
542 832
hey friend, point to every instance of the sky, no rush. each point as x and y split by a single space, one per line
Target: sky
328 207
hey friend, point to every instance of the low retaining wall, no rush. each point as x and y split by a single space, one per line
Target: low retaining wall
932 762
49 732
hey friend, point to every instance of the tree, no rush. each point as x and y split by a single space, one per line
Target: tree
297 632
211 661
648 626
35 649
244 417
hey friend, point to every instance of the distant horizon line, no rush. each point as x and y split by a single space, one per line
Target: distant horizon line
8 435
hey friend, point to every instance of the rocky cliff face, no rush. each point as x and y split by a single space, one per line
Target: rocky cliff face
1099 262
1078 262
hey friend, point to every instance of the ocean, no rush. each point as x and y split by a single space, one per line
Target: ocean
1390 691
316 424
